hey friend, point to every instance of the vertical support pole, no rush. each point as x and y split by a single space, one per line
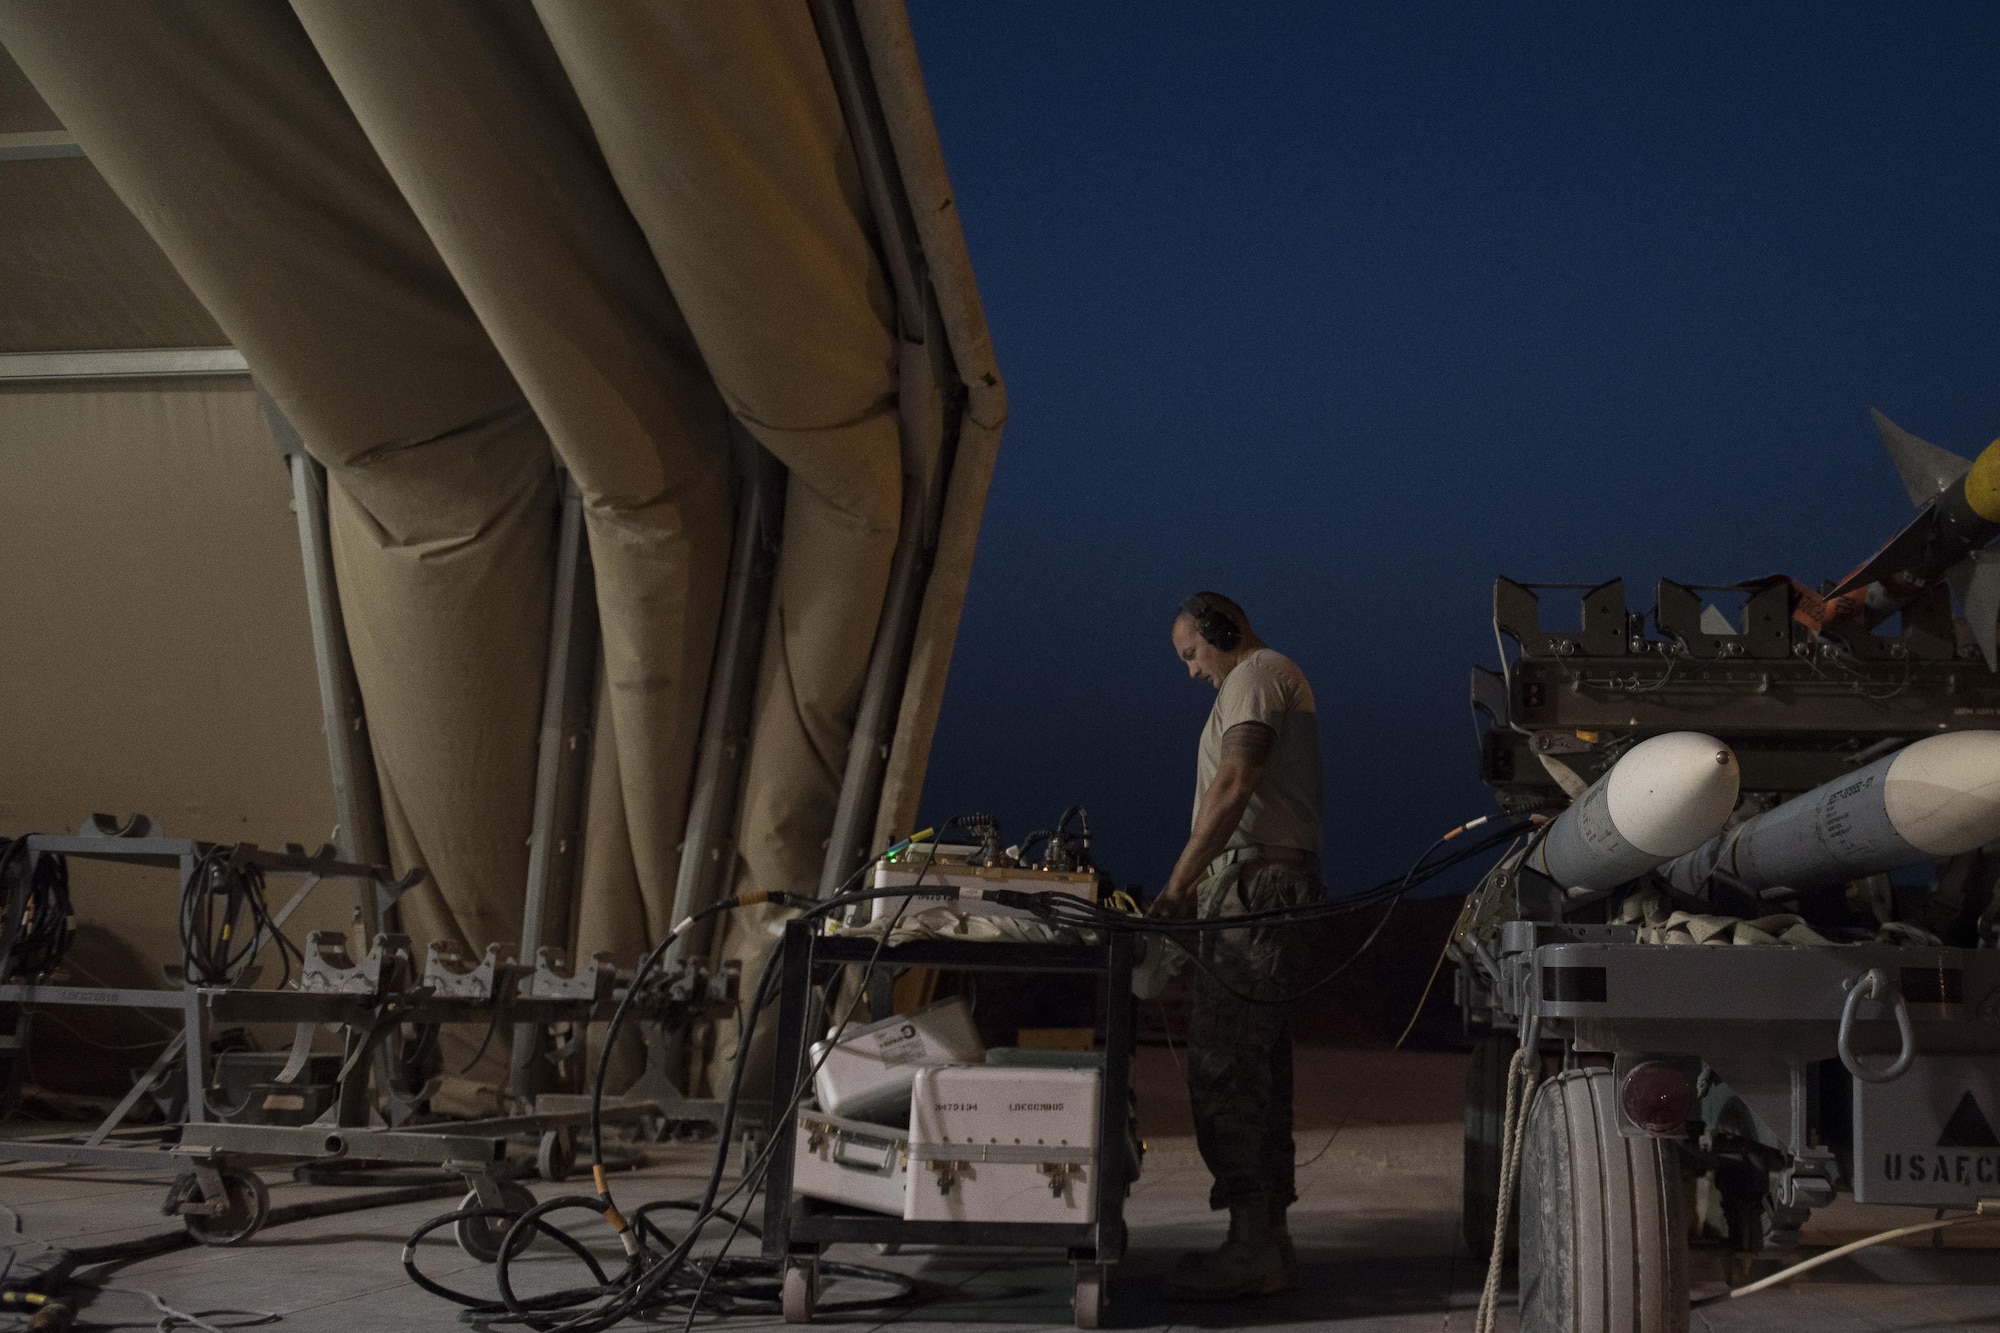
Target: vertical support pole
794 994
561 762
708 852
925 379
194 1051
357 799
1120 1029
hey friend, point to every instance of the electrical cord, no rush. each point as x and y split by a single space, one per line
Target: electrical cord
650 1281
36 927
1410 880
226 921
641 1287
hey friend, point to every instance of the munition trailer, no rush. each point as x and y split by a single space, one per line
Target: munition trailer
1720 1057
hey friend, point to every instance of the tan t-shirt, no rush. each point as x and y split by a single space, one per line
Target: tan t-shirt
1268 687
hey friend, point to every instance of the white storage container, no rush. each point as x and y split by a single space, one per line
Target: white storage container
868 1075
904 873
853 1162
1012 1144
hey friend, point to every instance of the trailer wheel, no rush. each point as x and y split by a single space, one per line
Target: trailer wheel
1089 1299
800 1292
1485 1105
247 1202
1603 1231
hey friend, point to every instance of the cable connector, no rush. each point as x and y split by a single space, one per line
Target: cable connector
1466 827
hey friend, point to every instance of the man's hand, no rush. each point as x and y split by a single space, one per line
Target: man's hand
1246 747
1173 903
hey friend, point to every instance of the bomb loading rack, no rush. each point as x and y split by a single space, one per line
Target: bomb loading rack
1797 705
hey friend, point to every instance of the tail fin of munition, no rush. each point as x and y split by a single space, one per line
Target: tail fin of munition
1926 469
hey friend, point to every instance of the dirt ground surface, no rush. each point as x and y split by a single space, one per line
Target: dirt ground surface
1376 1229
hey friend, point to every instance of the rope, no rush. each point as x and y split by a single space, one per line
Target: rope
1522 1074
1787 1274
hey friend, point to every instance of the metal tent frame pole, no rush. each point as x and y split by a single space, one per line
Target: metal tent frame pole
562 762
708 853
926 380
357 796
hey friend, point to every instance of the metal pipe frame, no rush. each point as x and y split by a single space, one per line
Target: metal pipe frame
562 759
357 797
133 363
708 851
926 379
34 144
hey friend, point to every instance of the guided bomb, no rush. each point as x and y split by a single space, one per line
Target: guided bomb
1951 538
1664 797
1936 798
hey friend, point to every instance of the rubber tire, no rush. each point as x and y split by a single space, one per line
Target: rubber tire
801 1291
555 1156
1485 1107
1603 1217
481 1237
1090 1295
249 1205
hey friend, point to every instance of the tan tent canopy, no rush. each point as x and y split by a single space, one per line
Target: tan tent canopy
695 266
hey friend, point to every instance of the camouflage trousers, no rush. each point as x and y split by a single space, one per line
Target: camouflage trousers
1240 1052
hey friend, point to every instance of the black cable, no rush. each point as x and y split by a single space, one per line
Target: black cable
226 921
35 915
638 1287
1332 975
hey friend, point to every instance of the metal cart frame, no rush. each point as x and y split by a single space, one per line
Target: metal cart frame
797 1229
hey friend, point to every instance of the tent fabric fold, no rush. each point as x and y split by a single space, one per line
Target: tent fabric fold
469 245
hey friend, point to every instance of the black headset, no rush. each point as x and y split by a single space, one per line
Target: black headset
1212 622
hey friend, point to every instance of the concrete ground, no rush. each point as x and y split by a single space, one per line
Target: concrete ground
1376 1228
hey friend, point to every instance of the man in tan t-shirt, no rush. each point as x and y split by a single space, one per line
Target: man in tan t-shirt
1254 846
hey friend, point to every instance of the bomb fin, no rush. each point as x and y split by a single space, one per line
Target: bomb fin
1925 468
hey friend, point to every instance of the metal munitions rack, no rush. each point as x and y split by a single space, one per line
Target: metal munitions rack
372 1001
218 1205
796 1229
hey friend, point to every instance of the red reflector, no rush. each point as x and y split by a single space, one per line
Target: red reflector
1658 1097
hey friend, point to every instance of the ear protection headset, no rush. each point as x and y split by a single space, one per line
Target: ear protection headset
1212 622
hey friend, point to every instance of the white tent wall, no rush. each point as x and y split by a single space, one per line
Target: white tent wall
157 660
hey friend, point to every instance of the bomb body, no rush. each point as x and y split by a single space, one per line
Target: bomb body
1936 798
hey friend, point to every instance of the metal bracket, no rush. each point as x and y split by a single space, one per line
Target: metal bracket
552 978
449 973
329 970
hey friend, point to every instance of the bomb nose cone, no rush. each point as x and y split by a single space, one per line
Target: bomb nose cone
1982 483
1942 794
1670 794
1666 796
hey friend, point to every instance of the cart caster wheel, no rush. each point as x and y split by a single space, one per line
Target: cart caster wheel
801 1290
481 1237
1089 1301
249 1205
556 1156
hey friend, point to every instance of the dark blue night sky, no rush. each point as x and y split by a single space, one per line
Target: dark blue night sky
1345 310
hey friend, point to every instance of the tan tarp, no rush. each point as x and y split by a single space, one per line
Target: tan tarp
157 660
462 240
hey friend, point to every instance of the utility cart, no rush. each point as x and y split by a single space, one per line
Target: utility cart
797 1228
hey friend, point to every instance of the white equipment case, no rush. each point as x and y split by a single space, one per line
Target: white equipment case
903 873
853 1162
868 1075
1003 1144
